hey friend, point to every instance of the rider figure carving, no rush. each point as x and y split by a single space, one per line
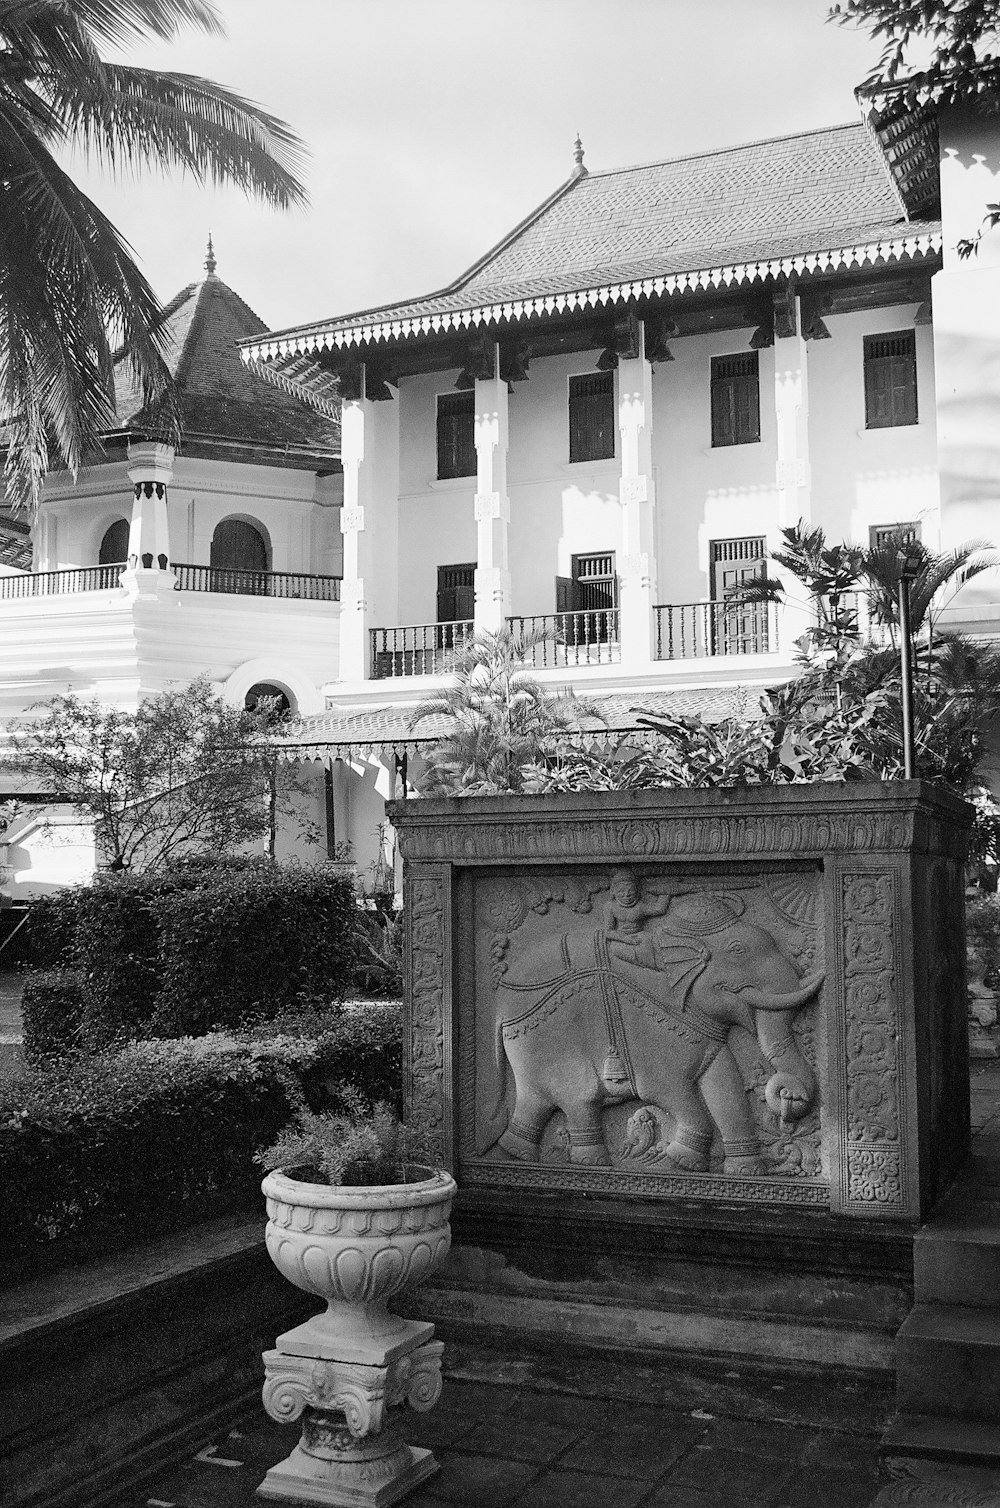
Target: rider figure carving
625 915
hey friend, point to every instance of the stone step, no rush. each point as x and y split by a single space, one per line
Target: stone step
956 1258
948 1362
972 1442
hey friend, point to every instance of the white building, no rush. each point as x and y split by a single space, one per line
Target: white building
600 429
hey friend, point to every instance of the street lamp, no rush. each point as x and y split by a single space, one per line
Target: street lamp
910 558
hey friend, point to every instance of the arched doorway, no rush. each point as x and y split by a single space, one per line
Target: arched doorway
238 558
114 545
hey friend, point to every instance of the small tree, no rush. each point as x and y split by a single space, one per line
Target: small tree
183 773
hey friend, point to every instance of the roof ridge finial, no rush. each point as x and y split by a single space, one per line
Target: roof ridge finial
579 171
210 259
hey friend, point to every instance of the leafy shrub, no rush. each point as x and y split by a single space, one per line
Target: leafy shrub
51 929
253 941
201 945
379 969
53 1006
118 1146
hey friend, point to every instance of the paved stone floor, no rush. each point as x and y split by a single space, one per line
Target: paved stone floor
504 1446
507 1446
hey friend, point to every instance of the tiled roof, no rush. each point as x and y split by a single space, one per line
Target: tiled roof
789 197
342 730
220 398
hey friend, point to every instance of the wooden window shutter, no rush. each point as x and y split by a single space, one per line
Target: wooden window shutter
592 417
735 399
890 363
456 434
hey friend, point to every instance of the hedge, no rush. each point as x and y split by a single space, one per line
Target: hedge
53 1009
200 945
117 1147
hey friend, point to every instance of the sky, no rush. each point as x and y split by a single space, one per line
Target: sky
435 126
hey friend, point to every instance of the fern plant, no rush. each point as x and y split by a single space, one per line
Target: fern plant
359 1147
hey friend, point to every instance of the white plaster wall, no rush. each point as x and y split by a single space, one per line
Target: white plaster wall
103 644
966 299
877 476
297 513
704 493
47 851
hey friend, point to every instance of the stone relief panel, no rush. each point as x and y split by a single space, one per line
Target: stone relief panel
870 928
642 1031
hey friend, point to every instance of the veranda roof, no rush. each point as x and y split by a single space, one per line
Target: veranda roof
817 202
348 731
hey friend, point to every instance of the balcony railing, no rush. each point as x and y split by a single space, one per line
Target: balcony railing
588 637
190 578
699 630
59 583
421 649
201 578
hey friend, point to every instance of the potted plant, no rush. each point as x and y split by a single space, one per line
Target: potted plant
354 1217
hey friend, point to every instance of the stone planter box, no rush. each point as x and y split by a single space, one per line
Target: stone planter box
748 997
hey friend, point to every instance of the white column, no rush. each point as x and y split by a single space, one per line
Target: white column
492 503
637 568
356 433
151 467
791 410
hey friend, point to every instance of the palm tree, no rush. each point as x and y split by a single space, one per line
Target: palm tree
936 573
71 296
498 719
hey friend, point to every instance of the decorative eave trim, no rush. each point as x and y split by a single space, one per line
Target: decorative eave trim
322 405
376 332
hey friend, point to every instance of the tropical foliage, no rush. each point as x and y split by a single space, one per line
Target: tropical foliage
71 295
952 38
499 719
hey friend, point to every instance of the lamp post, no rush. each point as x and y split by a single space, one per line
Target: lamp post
910 559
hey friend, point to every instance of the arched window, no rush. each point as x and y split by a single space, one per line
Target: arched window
266 691
114 545
238 546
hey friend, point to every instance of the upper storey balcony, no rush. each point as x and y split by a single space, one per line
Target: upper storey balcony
575 640
188 578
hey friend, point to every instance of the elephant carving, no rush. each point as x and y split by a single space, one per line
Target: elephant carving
629 1012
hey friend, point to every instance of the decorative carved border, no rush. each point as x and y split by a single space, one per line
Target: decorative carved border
873 1149
427 930
792 835
713 1186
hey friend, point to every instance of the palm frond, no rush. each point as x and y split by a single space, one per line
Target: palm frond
135 117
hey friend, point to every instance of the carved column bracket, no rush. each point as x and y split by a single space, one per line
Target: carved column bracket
785 319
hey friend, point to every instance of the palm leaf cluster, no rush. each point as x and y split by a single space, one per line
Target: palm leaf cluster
72 299
499 719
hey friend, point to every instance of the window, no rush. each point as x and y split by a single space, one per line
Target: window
881 534
735 399
738 627
592 417
588 599
456 434
456 593
890 379
114 545
238 559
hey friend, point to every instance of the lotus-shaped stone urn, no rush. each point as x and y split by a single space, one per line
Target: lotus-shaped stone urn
356 1248
345 1370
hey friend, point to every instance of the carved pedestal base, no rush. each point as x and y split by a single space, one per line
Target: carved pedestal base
351 1453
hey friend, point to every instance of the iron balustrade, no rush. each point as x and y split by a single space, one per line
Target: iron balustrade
420 649
587 637
201 578
190 578
699 630
101 578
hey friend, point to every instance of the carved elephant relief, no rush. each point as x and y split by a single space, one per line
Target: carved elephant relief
619 1005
